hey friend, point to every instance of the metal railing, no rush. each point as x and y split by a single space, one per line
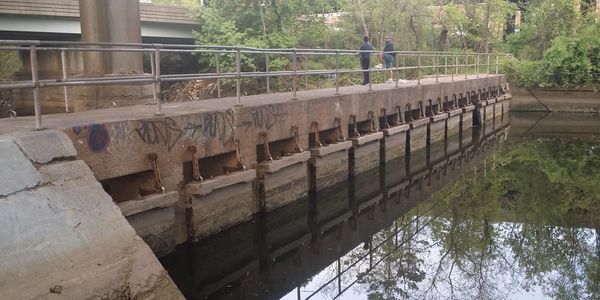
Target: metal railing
420 63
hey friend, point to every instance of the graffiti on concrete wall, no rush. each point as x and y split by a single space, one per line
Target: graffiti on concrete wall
214 126
98 138
160 131
263 117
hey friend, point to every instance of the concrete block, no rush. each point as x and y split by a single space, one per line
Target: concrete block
16 170
157 228
489 112
453 124
75 237
395 146
368 138
68 172
366 156
207 186
45 146
418 137
133 207
331 168
276 165
223 208
331 204
365 187
437 131
284 186
326 150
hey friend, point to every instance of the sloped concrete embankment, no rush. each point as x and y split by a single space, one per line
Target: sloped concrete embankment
61 235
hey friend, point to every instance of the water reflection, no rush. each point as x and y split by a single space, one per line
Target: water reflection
496 219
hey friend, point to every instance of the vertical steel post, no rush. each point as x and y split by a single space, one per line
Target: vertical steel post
497 64
396 68
477 66
419 68
267 70
218 74
339 276
488 64
403 67
63 62
157 93
37 107
445 64
437 67
306 74
454 66
466 65
295 79
337 73
238 80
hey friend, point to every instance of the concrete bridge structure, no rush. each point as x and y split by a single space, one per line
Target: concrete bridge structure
206 166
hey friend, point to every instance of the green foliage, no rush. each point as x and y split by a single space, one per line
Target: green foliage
570 61
9 64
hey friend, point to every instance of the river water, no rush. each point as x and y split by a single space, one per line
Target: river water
513 215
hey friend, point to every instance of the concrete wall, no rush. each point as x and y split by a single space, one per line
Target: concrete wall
62 234
556 100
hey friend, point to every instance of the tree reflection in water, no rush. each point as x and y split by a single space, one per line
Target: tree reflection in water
524 223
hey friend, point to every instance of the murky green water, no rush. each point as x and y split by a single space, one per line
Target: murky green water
515 216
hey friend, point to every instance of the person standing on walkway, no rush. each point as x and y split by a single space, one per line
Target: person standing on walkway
388 57
365 59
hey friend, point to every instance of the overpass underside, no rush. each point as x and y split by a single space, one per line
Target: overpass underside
205 166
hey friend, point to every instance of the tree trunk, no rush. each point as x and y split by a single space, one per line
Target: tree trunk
362 18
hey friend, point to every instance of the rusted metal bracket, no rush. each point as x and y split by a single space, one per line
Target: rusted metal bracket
447 104
355 125
474 99
315 128
384 116
338 123
157 180
238 154
296 139
440 106
421 110
461 102
196 176
371 116
265 136
399 115
430 106
409 110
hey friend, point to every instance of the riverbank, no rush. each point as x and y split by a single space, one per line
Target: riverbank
555 99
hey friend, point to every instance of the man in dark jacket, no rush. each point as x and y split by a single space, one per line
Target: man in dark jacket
388 56
365 58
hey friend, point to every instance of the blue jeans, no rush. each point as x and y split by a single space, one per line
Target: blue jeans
388 59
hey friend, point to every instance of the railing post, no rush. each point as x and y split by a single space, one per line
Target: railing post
337 73
238 80
497 64
466 64
454 69
488 64
295 79
218 74
403 67
477 66
37 107
157 92
437 67
396 68
445 64
306 74
63 63
419 68
267 71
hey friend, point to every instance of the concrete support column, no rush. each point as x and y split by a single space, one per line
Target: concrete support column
114 21
125 27
94 28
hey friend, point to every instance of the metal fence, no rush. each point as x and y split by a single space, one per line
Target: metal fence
420 63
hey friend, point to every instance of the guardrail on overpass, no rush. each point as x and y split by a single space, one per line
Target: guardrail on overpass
422 62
